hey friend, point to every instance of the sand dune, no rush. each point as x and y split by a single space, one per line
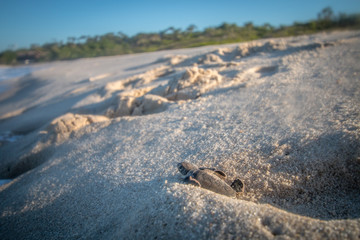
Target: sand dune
98 140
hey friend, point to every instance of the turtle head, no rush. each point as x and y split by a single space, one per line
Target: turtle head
185 167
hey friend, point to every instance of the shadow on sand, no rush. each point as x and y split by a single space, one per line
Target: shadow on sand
327 173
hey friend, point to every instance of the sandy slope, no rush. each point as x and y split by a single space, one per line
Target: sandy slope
101 139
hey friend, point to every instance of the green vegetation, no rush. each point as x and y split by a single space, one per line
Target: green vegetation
171 38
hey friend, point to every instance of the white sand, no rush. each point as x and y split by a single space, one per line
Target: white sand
100 140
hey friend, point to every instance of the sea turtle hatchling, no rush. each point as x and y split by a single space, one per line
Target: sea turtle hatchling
211 179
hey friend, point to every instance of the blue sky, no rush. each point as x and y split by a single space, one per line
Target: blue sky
23 22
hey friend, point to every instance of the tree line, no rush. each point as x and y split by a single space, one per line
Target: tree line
171 38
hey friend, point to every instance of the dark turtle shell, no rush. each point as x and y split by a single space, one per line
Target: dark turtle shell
210 178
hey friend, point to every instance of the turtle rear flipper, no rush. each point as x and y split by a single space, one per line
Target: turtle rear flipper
192 181
238 185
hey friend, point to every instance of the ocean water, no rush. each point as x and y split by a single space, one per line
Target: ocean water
13 72
8 73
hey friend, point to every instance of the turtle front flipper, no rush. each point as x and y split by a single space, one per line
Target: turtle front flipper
218 173
192 181
238 185
208 168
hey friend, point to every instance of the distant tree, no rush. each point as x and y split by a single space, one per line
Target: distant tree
190 29
8 57
326 14
325 18
82 39
264 30
122 35
250 32
71 39
177 34
268 27
249 25
225 26
169 30
210 32
344 20
34 46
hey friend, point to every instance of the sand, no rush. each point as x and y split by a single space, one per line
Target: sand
91 145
